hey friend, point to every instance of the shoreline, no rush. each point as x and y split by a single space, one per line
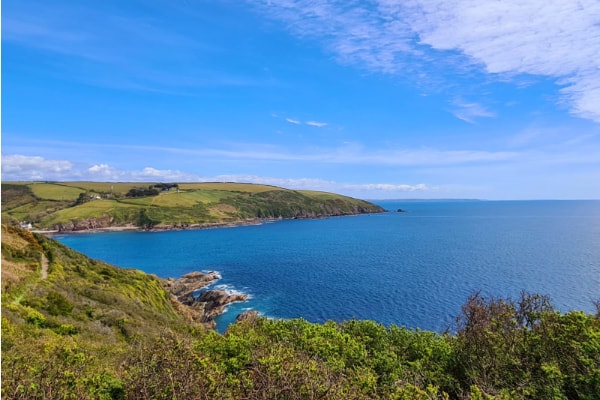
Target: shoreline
163 228
199 226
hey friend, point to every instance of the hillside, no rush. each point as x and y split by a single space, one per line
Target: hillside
77 328
75 206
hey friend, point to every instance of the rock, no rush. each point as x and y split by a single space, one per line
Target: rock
247 316
209 304
401 210
84 224
216 300
184 287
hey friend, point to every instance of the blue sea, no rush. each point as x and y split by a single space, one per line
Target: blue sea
412 269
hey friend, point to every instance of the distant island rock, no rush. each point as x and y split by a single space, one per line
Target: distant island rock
401 210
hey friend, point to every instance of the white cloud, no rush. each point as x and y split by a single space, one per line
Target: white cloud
316 124
101 170
355 31
293 121
553 38
20 167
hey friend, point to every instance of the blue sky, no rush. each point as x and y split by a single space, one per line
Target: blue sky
373 99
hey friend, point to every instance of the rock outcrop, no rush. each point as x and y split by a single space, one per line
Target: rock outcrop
215 301
88 224
184 287
209 304
247 316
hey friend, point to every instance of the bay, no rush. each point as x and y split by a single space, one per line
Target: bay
414 268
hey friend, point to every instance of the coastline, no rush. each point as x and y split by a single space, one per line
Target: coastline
158 228
206 225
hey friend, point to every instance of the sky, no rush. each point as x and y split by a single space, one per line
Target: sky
376 99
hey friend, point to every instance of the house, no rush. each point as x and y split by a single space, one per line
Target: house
26 225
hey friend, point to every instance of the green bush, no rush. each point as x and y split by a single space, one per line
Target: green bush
57 304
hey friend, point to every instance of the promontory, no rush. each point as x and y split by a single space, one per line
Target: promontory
89 206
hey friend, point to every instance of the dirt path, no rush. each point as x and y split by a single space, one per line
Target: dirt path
44 267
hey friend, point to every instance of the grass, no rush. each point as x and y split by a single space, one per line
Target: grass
34 212
321 195
51 191
92 209
107 187
191 198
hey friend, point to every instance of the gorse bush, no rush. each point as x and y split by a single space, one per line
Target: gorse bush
526 349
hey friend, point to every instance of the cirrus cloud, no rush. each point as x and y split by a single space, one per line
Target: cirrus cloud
505 38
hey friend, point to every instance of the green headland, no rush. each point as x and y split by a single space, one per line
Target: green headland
77 206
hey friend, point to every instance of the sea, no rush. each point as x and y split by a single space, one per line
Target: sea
413 268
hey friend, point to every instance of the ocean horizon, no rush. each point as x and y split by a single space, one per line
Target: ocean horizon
413 268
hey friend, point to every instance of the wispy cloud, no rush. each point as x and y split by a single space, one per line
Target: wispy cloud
349 153
316 124
355 31
469 112
293 121
508 38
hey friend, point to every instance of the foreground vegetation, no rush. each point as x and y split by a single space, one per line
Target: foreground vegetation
69 206
75 328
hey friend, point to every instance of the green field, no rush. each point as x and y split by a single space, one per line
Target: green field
105 187
51 191
67 206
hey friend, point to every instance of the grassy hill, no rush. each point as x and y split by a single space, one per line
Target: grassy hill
75 328
67 318
71 206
